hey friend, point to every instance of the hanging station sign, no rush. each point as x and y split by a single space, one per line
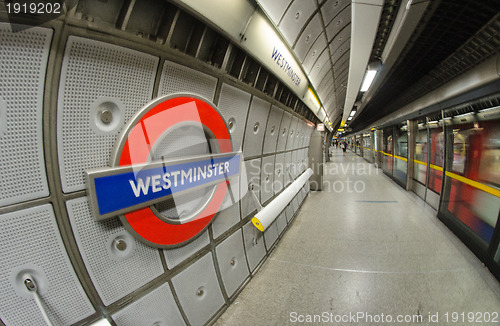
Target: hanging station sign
169 172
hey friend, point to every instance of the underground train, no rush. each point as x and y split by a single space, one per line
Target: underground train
452 161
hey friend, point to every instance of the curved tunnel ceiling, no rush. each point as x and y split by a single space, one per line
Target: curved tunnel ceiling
321 33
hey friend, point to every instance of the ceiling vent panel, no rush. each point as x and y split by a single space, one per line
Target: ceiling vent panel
332 8
314 53
307 38
296 17
338 23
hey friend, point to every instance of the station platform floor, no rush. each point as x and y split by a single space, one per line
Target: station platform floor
371 254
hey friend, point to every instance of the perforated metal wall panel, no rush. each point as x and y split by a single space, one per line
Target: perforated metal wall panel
157 308
307 136
176 78
30 243
254 245
314 53
308 37
226 219
302 160
271 235
281 222
256 127
174 257
293 165
275 8
299 164
295 204
288 168
284 131
295 18
198 290
308 140
267 178
292 133
23 62
272 130
97 241
289 213
233 105
232 262
302 195
279 172
300 135
97 76
253 176
331 8
338 22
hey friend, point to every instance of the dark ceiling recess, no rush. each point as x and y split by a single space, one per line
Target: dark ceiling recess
440 42
387 18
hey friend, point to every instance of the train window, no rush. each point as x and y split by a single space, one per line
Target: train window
436 142
489 165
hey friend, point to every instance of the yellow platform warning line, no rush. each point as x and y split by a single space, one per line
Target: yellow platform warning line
475 184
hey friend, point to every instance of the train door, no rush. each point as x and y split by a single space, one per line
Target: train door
428 160
421 159
400 153
387 147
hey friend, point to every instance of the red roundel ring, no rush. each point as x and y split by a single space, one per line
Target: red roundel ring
135 146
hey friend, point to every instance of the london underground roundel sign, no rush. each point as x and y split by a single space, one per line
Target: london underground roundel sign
170 171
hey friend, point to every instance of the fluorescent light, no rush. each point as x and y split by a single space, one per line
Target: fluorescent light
349 119
369 77
489 109
463 115
352 113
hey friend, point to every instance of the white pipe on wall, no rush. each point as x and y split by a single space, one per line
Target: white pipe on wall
263 219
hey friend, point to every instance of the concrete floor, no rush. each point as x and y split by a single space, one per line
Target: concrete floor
365 254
